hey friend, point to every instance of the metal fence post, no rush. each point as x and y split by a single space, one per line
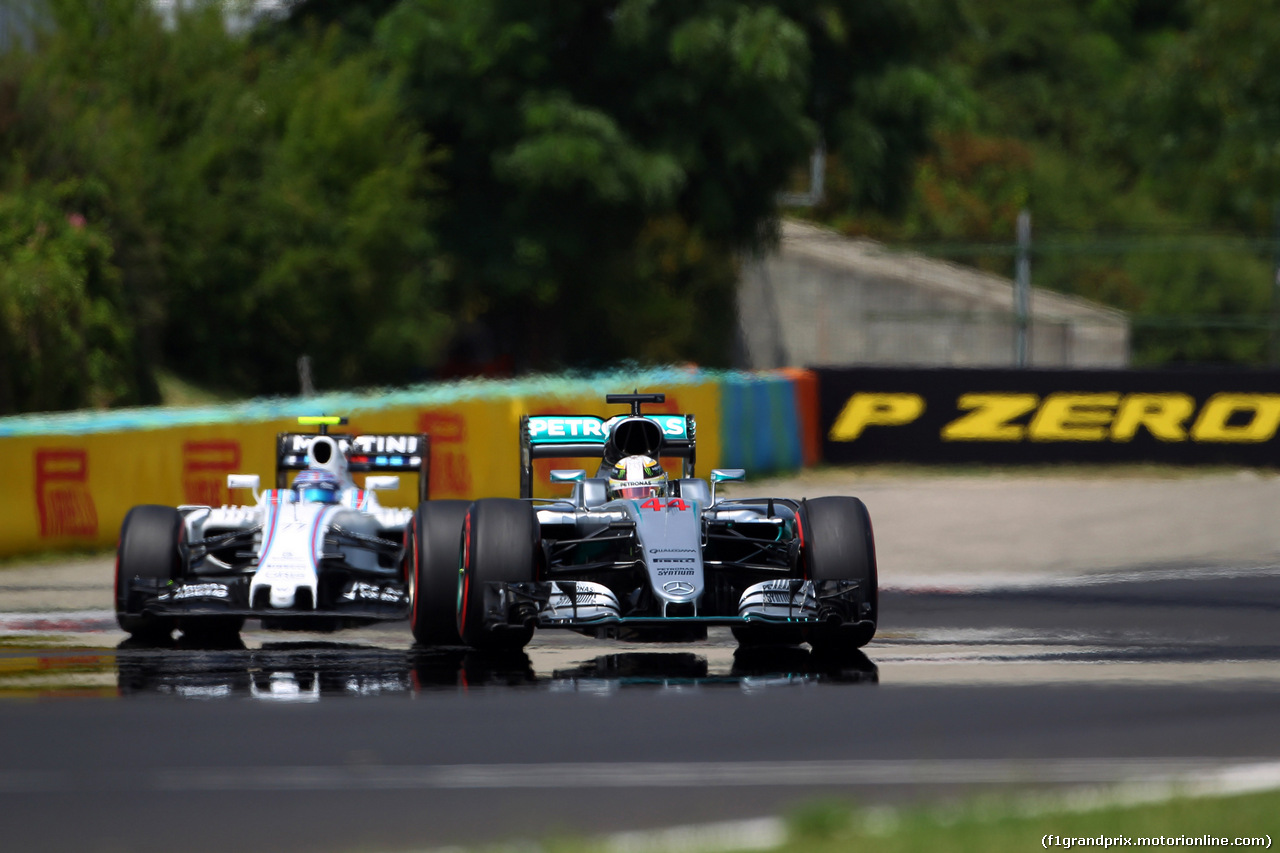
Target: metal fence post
1022 289
1273 336
307 387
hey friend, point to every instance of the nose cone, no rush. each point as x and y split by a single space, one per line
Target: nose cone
671 538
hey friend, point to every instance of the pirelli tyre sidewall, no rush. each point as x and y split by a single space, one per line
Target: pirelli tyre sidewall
435 549
499 543
148 548
837 543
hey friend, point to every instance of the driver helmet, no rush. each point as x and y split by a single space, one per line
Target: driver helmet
637 477
316 485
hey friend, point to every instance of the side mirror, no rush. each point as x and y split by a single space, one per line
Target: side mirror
381 482
725 475
568 475
244 481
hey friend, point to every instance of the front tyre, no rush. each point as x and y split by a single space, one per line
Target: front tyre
838 544
499 544
148 550
434 556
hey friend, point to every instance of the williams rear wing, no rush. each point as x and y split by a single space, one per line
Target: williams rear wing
587 436
369 453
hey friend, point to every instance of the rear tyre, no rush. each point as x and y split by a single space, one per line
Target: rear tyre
434 555
499 544
838 544
148 550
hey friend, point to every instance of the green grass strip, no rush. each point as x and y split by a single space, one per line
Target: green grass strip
1078 819
1053 822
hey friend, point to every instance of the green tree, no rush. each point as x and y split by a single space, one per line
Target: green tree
583 138
878 88
264 203
302 208
62 342
608 162
363 182
1207 112
66 120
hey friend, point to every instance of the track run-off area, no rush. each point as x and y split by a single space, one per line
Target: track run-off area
1039 629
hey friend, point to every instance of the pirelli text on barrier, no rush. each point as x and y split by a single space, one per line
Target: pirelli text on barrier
1220 417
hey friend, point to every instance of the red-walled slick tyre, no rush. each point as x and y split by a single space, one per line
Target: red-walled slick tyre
499 543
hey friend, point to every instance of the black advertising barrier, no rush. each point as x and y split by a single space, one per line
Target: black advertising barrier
1185 416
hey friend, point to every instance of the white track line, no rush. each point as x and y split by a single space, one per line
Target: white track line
1164 781
959 584
1259 774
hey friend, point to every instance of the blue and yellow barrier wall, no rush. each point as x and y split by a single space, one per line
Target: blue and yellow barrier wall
70 478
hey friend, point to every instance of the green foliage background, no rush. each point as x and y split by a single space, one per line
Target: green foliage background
1143 136
409 188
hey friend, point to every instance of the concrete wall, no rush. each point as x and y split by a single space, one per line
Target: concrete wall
825 299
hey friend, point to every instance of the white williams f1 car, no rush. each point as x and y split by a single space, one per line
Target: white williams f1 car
635 554
319 554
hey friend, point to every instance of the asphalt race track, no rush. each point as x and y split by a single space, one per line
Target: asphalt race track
305 743
357 741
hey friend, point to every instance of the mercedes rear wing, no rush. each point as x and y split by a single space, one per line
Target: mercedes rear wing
588 436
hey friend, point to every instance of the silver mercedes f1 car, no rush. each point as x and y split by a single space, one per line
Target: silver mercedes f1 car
635 554
319 554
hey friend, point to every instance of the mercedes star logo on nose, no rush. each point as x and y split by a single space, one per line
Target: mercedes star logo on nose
678 587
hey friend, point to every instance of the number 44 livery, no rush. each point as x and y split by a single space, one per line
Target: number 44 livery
635 555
